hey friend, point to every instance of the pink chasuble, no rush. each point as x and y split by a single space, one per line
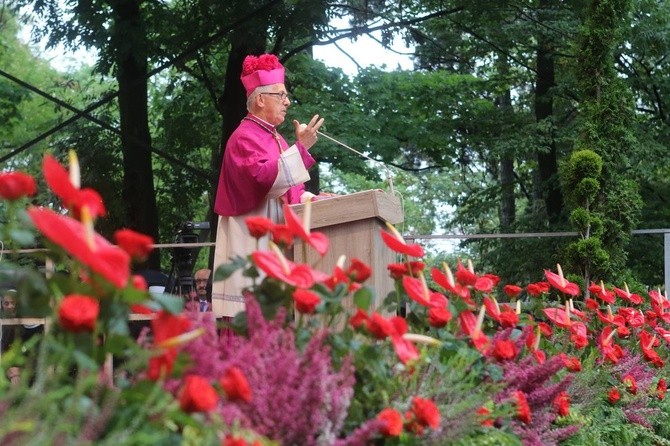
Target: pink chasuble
250 167
248 173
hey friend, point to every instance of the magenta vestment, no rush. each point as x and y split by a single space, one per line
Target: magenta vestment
250 167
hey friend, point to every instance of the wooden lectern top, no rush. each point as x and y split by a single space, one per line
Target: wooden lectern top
353 207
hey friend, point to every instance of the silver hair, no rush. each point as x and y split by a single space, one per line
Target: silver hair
258 90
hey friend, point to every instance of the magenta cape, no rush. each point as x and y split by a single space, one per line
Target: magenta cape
250 167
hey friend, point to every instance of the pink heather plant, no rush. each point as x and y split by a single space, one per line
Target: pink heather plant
297 396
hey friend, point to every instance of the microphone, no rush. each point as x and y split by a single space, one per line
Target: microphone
388 171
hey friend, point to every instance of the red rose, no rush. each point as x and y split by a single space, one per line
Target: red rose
14 185
359 271
397 270
512 290
661 388
235 384
562 403
522 407
137 245
613 395
197 395
258 226
392 422
139 283
305 300
282 235
504 350
483 414
78 313
438 317
426 412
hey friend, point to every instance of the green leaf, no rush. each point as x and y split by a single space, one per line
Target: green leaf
363 298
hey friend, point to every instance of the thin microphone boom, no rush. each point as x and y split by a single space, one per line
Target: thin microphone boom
388 171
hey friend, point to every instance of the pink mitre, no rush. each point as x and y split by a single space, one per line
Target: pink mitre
262 70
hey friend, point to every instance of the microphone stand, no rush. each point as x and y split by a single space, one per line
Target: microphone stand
388 171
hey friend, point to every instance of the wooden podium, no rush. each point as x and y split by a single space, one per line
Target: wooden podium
352 223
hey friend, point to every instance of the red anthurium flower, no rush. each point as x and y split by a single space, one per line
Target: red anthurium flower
447 282
613 395
630 383
633 317
235 384
602 293
15 185
101 257
305 300
465 276
609 349
572 363
164 327
522 407
512 291
625 294
392 422
506 318
578 334
610 318
540 356
472 326
438 317
78 313
259 226
137 245
396 243
562 403
425 412
58 180
647 344
545 329
493 278
560 283
665 334
317 240
558 316
661 388
538 289
404 349
275 265
419 292
197 395
504 350
658 300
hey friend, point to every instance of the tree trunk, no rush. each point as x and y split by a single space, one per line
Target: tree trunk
544 109
138 186
232 104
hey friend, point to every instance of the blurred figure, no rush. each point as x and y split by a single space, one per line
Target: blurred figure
202 289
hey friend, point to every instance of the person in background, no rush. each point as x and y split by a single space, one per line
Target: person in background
15 332
202 289
260 172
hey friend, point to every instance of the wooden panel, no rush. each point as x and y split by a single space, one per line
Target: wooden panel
359 239
354 207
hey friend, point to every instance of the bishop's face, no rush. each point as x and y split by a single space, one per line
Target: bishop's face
273 104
